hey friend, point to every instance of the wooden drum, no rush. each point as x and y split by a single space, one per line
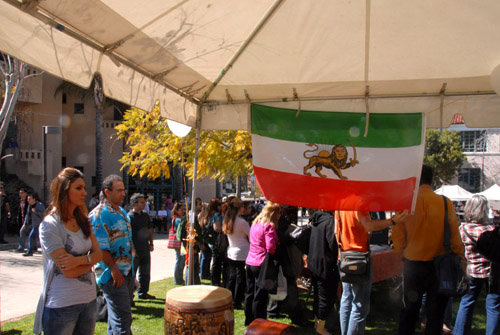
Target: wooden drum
199 309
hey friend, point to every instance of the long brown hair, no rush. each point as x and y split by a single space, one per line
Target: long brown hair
230 215
268 214
59 203
176 208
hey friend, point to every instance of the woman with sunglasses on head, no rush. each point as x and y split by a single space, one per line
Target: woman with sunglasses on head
70 249
263 240
237 230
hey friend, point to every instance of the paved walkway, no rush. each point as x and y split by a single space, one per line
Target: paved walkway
21 277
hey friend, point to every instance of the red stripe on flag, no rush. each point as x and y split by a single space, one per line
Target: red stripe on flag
334 194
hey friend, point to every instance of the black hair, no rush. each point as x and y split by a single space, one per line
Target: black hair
107 184
34 195
135 198
427 175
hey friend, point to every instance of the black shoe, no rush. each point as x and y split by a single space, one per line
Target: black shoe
147 296
19 250
27 254
4 242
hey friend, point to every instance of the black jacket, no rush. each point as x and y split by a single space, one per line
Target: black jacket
323 248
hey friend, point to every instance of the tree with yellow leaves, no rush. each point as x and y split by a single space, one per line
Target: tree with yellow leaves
152 146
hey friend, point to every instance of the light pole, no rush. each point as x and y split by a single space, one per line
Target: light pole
46 130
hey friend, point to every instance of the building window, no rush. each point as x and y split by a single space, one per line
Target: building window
470 179
79 108
63 161
474 141
64 99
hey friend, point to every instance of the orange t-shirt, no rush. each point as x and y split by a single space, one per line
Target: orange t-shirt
353 236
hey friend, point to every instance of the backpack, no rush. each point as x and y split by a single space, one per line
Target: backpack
488 244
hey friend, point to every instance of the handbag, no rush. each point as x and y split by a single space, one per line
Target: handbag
453 282
173 242
354 266
281 290
268 275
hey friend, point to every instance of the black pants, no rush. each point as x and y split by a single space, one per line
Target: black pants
325 294
236 282
142 262
419 278
219 269
255 297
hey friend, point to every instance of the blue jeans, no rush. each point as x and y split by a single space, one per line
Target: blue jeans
205 260
463 322
23 235
354 307
180 261
76 319
196 271
33 239
118 303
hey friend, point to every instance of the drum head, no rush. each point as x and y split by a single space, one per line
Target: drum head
198 296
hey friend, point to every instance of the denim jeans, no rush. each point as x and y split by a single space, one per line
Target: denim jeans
23 235
196 271
205 260
180 261
32 245
76 319
354 307
463 322
118 303
142 262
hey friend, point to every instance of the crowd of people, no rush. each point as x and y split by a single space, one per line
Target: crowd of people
240 245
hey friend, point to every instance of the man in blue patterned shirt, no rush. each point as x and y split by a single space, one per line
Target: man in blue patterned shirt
115 272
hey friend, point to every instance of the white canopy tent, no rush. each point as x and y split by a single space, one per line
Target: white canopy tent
206 61
493 196
454 192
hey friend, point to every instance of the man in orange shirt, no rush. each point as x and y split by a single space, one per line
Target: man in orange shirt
420 239
353 230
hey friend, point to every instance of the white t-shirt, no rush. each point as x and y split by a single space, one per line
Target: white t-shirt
238 241
66 291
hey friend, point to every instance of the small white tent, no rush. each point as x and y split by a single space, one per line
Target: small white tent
454 192
493 196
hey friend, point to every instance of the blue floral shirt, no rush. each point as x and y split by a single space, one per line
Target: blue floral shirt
114 234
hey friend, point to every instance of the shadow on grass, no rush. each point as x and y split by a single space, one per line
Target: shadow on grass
12 332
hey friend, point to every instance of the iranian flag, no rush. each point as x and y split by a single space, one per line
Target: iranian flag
323 160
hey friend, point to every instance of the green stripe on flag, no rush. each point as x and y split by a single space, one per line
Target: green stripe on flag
384 130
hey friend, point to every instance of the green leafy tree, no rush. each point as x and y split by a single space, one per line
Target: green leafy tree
152 146
443 152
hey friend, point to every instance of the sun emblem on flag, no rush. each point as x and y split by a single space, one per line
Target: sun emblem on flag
336 160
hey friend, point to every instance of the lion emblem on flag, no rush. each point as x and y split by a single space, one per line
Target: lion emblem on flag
336 160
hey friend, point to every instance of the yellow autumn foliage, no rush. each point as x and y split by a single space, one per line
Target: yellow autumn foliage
152 146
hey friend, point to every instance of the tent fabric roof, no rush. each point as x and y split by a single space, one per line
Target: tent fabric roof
454 192
492 193
222 54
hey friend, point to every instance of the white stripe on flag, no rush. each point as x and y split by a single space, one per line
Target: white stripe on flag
375 164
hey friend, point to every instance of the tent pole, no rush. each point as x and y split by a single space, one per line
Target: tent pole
193 195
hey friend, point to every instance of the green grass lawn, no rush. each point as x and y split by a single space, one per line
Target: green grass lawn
148 314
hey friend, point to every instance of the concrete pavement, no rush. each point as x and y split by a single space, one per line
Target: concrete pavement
21 277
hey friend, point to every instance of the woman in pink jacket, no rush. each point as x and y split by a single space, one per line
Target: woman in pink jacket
263 240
